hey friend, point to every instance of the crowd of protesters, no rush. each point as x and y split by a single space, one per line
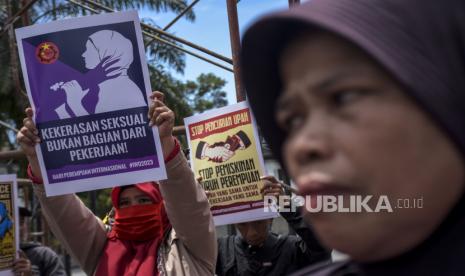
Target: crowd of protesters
355 97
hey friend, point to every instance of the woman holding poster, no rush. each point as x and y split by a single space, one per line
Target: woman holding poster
159 229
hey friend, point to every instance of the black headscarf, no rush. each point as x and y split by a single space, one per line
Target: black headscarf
421 43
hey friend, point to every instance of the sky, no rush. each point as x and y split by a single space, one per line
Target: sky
211 30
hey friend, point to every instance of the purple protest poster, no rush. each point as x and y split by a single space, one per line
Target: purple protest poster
88 84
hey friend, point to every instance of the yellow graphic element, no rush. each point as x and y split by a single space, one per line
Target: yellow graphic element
45 46
236 180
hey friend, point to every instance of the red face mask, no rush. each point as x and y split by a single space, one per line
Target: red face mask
139 222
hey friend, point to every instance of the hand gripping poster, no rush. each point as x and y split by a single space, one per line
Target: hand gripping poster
9 237
88 84
225 151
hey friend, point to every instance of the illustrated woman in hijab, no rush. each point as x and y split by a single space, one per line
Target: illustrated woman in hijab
367 98
108 55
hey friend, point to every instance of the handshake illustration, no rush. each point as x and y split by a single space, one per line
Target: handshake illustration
222 151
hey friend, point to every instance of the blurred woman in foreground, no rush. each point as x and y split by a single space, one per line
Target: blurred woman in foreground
367 98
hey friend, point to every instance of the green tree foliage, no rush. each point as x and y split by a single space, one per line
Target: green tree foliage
206 93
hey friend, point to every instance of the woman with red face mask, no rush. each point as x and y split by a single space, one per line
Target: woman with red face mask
139 226
159 229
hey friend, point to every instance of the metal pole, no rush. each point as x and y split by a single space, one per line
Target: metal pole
293 3
188 43
83 6
176 19
10 21
180 15
179 130
12 154
154 37
2 123
235 47
175 38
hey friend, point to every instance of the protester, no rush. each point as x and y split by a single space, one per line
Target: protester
159 229
359 97
34 258
258 251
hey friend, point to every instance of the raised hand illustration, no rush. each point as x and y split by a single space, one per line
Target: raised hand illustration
106 86
74 95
